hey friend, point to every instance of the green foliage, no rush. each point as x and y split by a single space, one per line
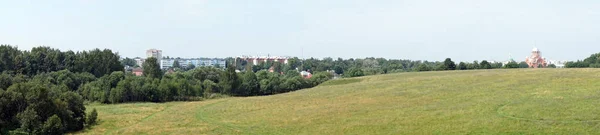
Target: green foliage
210 87
5 80
92 117
45 59
354 72
496 65
207 73
176 64
485 65
523 65
577 64
190 67
30 121
129 62
449 64
100 90
590 62
474 65
319 78
511 64
423 67
293 83
53 126
462 66
229 81
338 69
291 74
152 68
250 85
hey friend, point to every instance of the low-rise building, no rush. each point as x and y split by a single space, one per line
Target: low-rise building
256 60
139 61
138 71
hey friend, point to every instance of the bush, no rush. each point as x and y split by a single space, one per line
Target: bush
355 72
92 118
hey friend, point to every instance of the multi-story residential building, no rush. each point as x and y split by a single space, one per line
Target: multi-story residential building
197 62
154 53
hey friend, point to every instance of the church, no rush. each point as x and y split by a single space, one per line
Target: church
536 60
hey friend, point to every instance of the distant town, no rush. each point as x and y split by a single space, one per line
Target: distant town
535 60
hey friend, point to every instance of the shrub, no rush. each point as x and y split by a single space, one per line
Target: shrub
92 117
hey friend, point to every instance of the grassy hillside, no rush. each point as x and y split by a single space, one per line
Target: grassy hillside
518 101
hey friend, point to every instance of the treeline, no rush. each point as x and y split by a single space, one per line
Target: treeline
202 82
45 59
371 66
590 62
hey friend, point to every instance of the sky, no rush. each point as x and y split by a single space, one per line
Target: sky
464 30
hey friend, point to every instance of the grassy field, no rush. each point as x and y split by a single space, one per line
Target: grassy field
519 101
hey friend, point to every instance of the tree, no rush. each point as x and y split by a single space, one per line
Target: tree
462 66
551 66
29 120
256 68
72 110
250 85
209 88
5 80
152 68
485 65
92 118
523 65
354 72
319 77
277 67
338 69
53 126
449 64
191 66
176 64
474 65
128 62
511 64
423 67
229 81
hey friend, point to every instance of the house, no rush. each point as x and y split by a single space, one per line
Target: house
306 75
138 71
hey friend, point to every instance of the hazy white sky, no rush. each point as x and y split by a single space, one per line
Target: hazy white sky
464 30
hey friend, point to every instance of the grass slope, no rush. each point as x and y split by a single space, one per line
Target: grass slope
519 101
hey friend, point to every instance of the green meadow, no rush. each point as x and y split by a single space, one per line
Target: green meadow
515 101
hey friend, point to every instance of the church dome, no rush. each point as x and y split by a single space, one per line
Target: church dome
536 49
